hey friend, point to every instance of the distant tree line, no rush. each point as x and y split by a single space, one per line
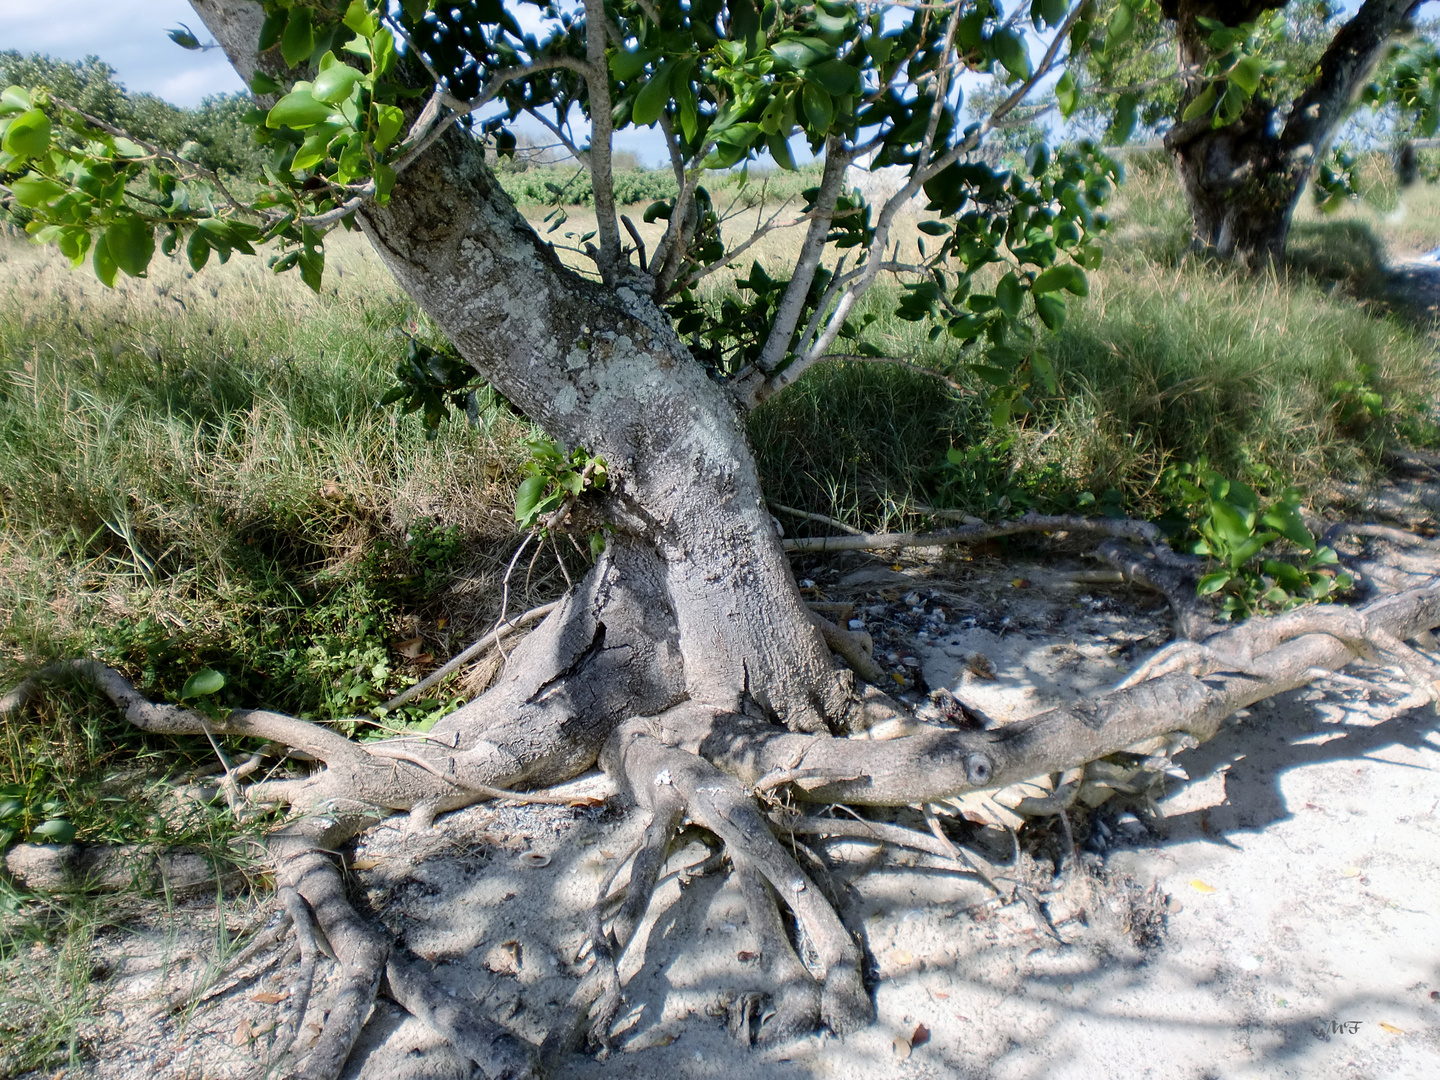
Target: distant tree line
211 135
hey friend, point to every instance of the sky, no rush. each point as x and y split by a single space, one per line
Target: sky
129 35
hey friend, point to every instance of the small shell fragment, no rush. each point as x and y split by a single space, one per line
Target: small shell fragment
534 859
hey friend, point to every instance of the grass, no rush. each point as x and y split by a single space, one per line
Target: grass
194 473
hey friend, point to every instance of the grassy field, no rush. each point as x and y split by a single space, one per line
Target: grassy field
195 473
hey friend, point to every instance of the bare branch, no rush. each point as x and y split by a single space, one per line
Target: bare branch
602 183
1142 531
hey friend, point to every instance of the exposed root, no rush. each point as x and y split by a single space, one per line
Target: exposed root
797 994
709 765
1140 531
360 953
655 773
1176 584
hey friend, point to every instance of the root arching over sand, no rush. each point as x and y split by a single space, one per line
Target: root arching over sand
600 681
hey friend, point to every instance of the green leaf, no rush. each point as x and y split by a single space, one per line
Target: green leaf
335 83
184 37
105 268
28 135
1202 105
388 121
819 108
34 191
1051 310
384 182
312 268
780 151
527 498
299 110
1243 553
197 250
359 19
14 99
1010 294
203 683
272 28
1213 582
626 65
298 41
1010 49
312 151
1229 522
1064 276
799 53
836 76
1120 26
1285 519
131 242
1246 74
260 83
1124 121
1067 95
54 831
934 228
653 97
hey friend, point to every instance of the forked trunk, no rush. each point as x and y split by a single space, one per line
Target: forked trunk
1243 180
602 369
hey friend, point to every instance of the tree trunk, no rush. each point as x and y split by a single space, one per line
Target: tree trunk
1240 191
602 369
1243 181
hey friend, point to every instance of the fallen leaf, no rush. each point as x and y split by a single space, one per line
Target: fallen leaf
940 995
649 1040
410 647
244 1034
980 666
1351 871
504 959
896 567
1200 886
364 864
332 492
587 800
268 998
441 623
920 1036
745 956
902 957
1020 583
607 853
901 1046
1391 1028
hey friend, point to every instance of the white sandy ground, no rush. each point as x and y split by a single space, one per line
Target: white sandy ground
1301 937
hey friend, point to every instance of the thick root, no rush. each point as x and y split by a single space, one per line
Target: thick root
648 767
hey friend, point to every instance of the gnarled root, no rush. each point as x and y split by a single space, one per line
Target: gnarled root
656 774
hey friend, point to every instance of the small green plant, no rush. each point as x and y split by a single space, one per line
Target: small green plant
1238 532
556 479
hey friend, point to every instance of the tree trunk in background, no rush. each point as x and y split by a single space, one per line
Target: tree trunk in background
1243 181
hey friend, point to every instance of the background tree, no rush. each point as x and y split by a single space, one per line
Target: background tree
685 661
1250 97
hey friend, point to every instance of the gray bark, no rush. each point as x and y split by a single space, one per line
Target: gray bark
601 368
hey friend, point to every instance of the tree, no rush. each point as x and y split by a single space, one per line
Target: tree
686 661
211 134
1252 105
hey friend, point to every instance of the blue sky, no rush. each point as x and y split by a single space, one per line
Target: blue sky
129 35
